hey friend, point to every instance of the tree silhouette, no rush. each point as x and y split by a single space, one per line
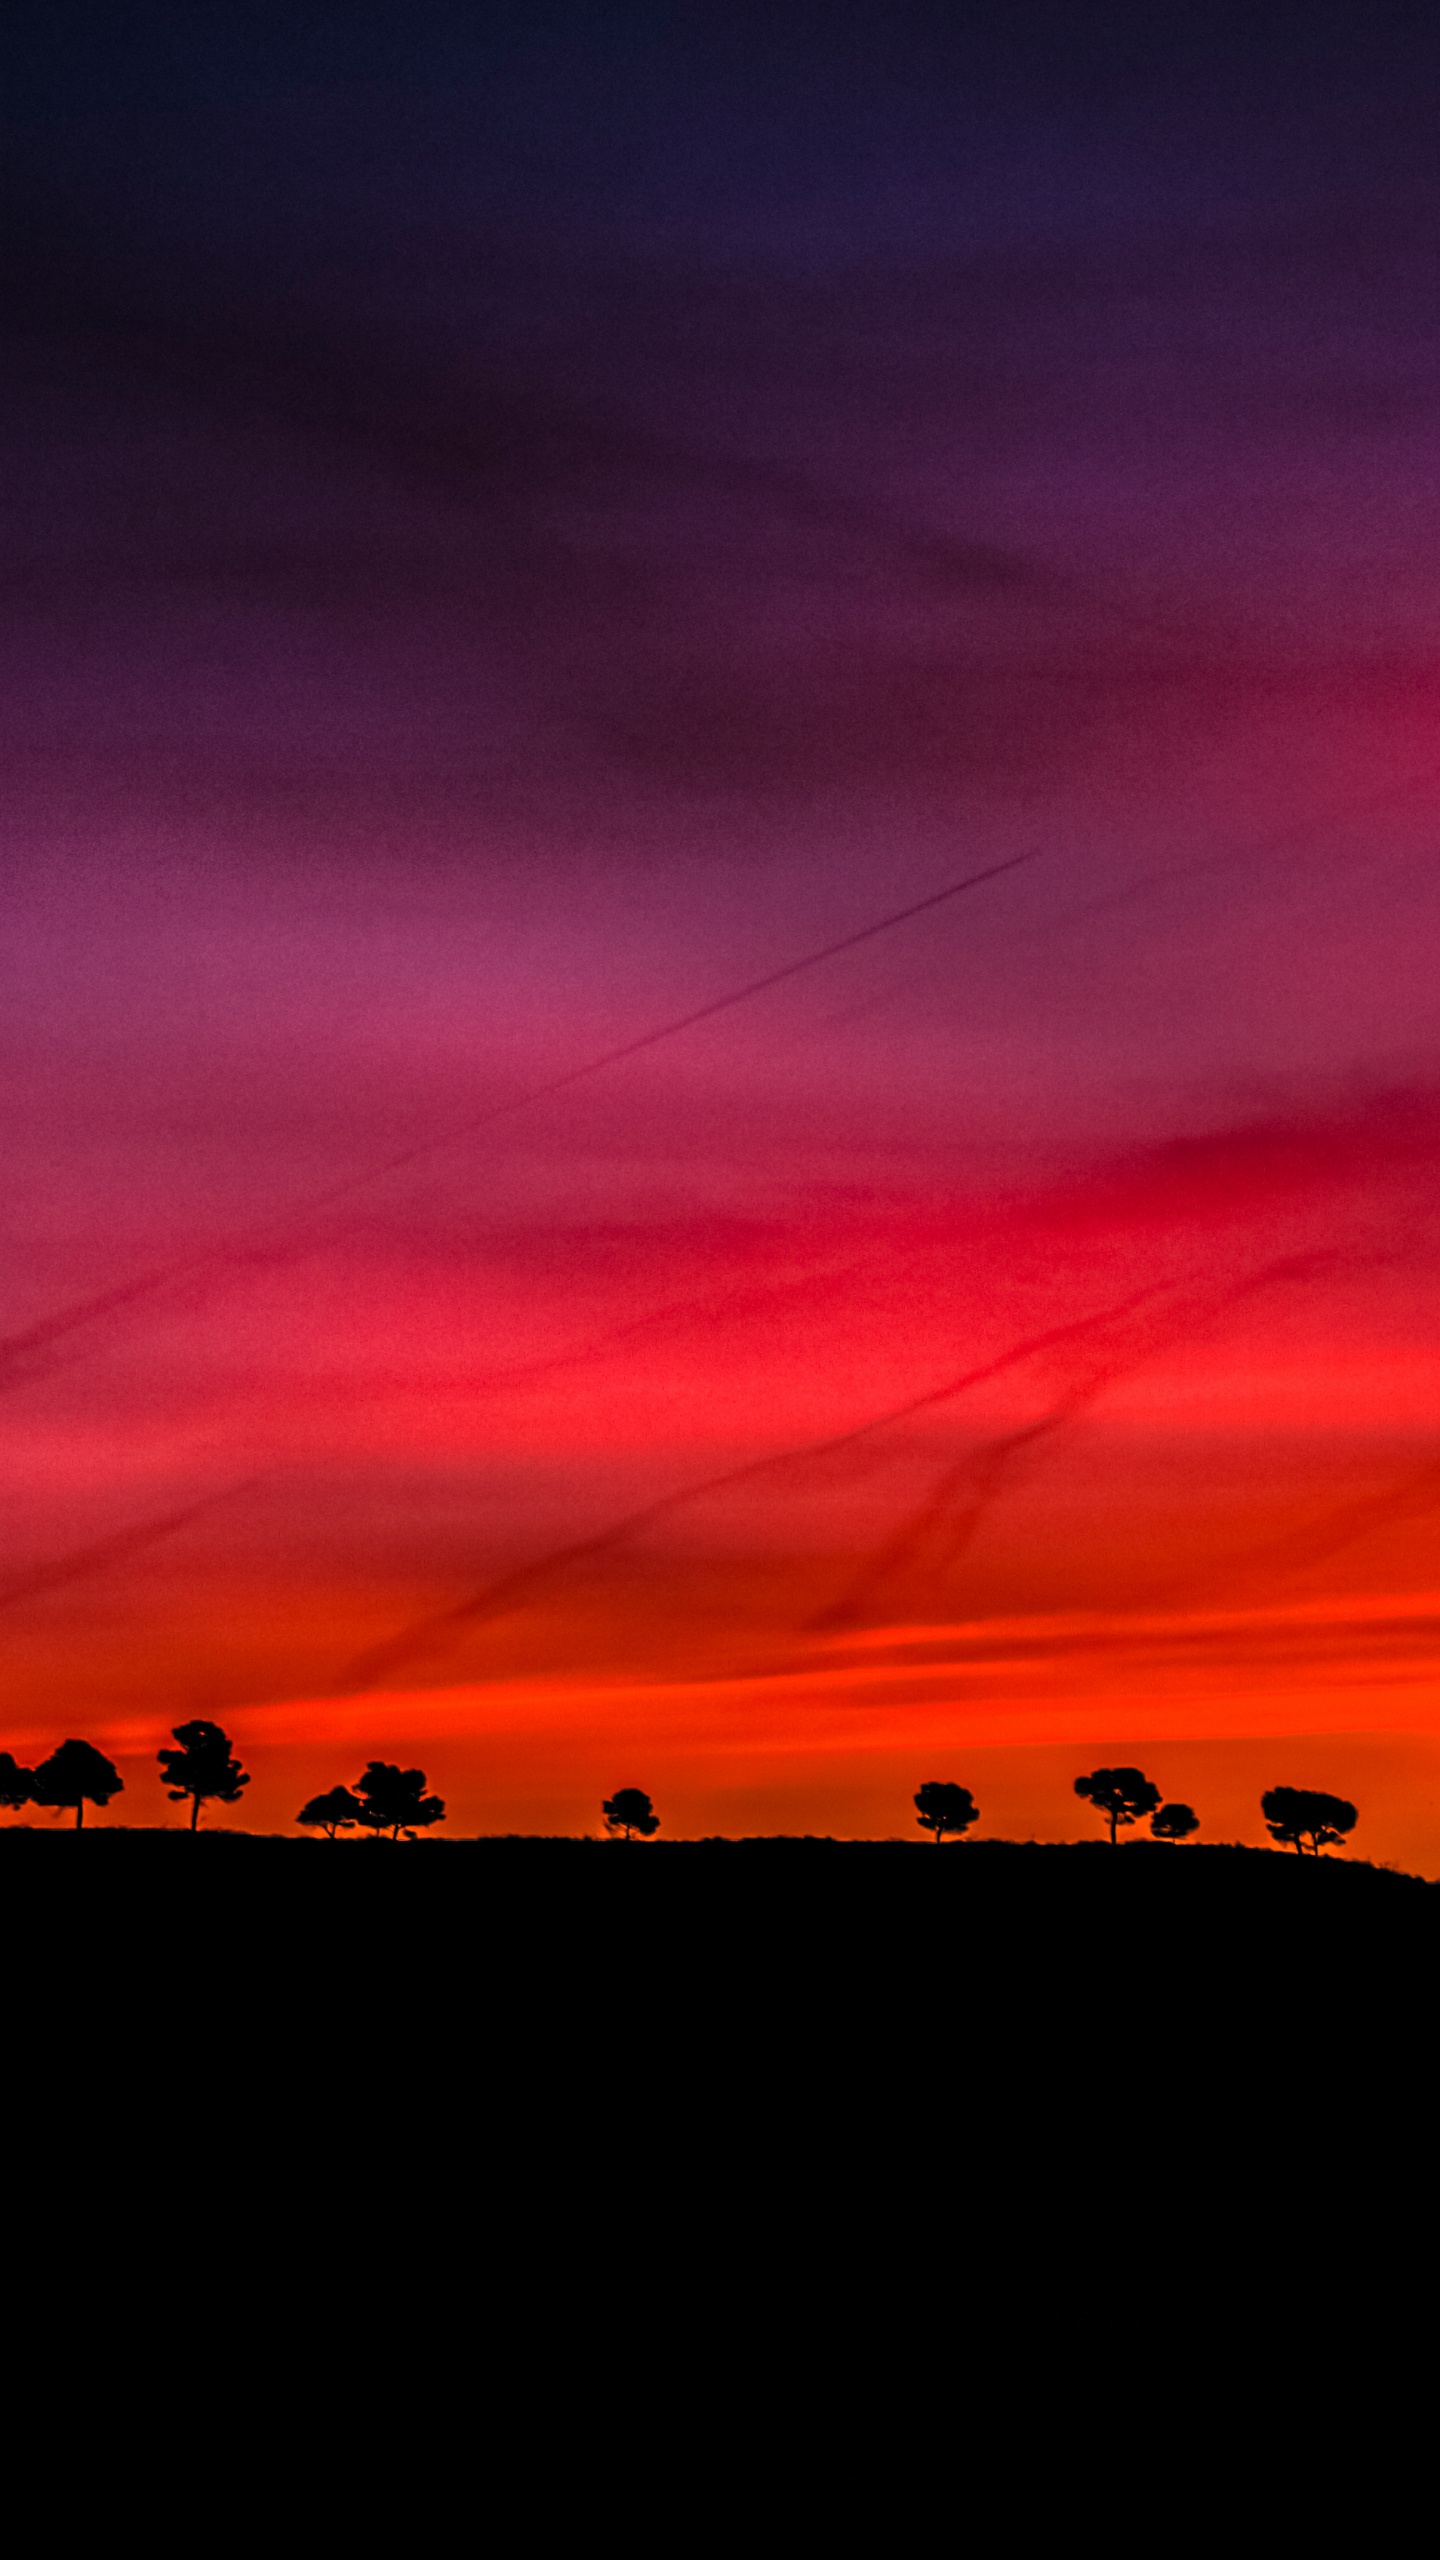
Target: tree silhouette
394 1800
202 1767
1122 1795
1174 1822
1297 1814
337 1811
630 1811
940 1806
17 1786
76 1774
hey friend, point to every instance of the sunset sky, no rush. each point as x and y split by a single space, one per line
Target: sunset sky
522 521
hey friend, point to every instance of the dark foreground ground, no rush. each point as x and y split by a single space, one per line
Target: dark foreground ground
541 2126
639 1945
536 1916
502 2020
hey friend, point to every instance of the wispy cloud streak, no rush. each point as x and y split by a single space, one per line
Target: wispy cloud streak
19 1350
495 1599
946 1525
102 1555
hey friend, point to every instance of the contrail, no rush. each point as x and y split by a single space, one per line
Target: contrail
745 1301
1409 1498
38 1337
984 1468
113 1550
1292 837
16 1348
494 1599
105 1552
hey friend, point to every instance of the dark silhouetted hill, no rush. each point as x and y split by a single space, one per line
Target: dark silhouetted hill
569 2018
513 1927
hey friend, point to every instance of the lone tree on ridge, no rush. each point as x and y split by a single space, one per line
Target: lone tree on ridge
337 1811
202 1767
76 1774
394 1800
17 1785
1122 1795
1297 1815
629 1811
942 1807
1174 1822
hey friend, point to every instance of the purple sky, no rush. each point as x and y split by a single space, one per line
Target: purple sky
514 532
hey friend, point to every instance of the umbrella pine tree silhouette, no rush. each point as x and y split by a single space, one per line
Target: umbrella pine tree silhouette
1174 1822
76 1774
202 1768
17 1786
1296 1815
1122 1795
942 1807
630 1811
337 1811
394 1800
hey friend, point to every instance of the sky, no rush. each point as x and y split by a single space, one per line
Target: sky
523 523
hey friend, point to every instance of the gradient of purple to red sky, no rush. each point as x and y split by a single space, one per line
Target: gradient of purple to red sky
520 522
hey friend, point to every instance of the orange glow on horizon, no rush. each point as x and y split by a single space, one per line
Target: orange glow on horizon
839 1740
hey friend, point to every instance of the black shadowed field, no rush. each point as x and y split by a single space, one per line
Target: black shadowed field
589 2023
256 1933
